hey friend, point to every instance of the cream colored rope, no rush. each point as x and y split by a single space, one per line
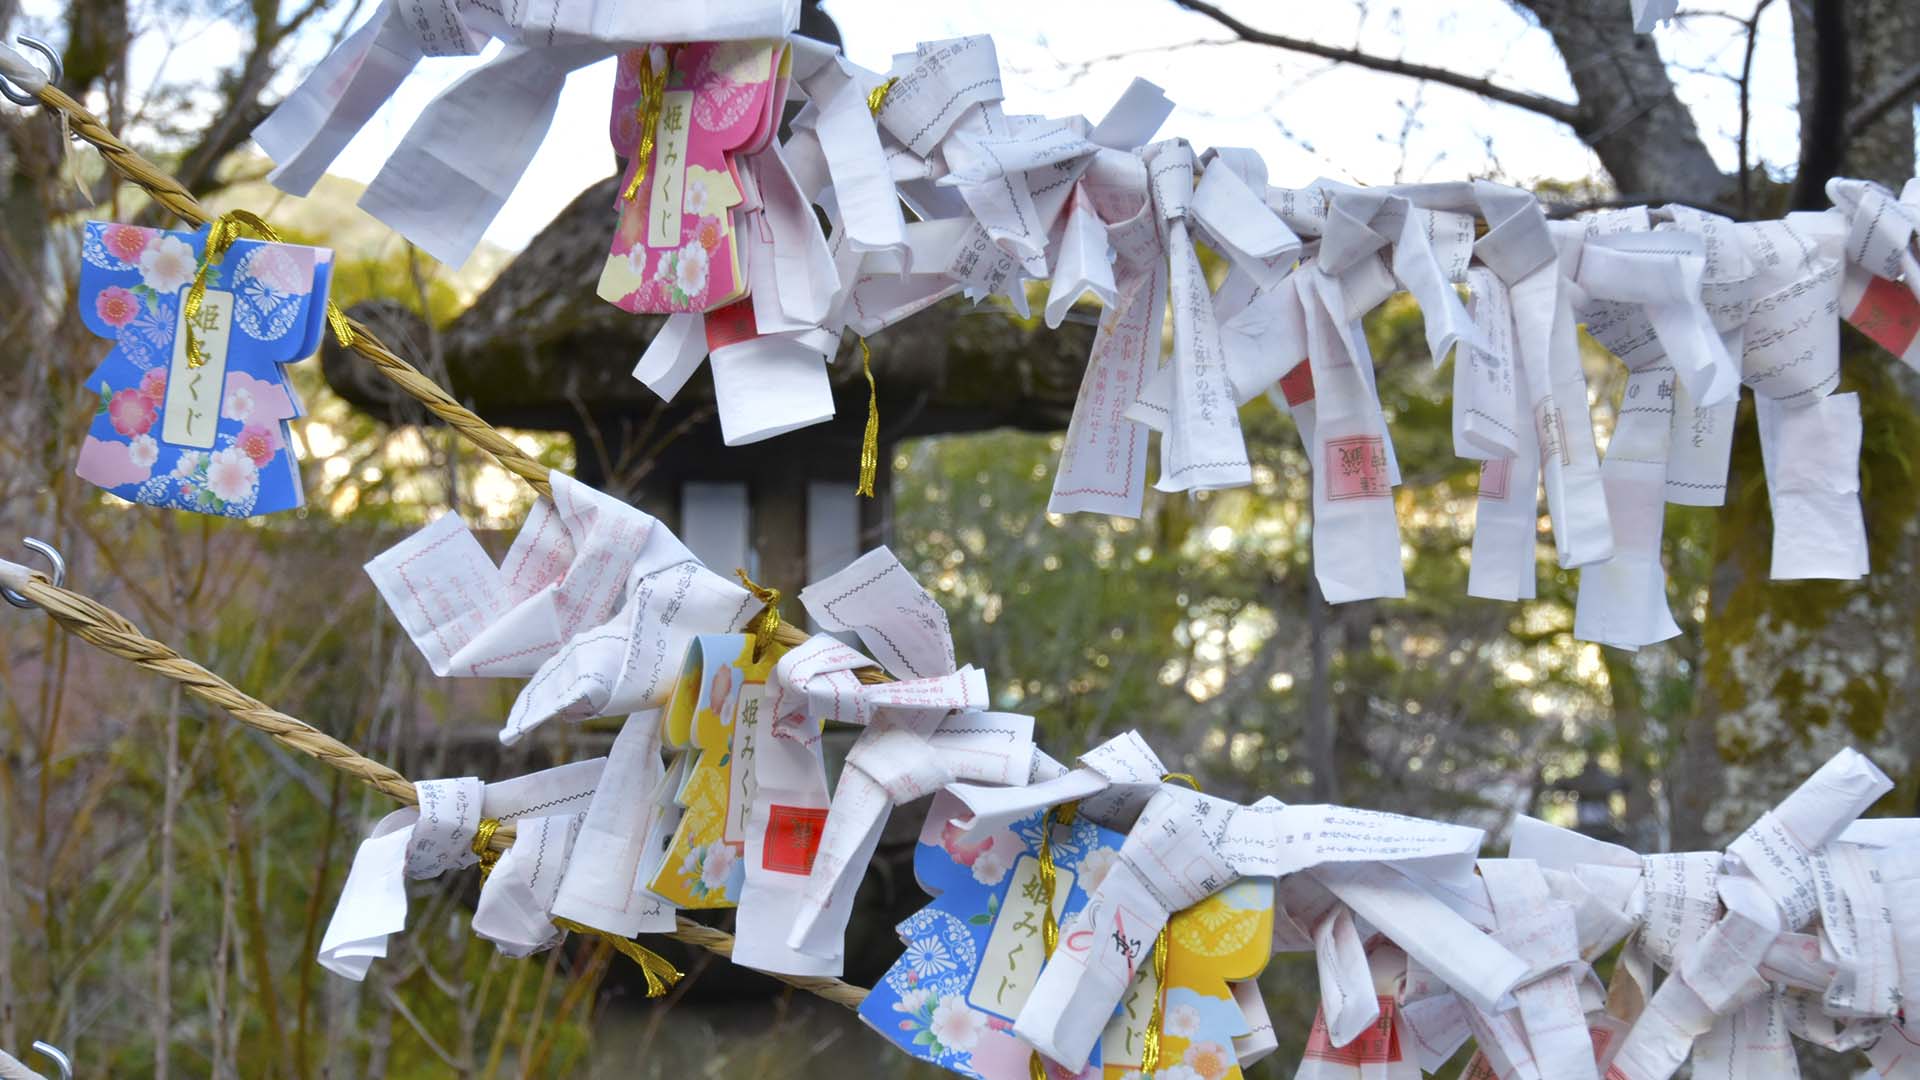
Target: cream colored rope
173 195
170 193
112 633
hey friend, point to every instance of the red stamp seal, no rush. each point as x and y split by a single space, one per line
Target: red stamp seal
1494 475
1357 468
731 325
793 836
1888 314
1379 1044
1297 385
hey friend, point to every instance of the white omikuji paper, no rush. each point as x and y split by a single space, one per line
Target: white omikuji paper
604 885
921 733
436 836
943 192
442 187
1186 846
595 602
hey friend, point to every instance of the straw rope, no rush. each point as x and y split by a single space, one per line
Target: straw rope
173 195
112 633
170 193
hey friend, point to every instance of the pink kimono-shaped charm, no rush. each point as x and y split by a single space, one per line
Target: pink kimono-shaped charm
678 247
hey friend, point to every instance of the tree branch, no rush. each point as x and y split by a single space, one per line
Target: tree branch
1566 112
1897 89
1823 143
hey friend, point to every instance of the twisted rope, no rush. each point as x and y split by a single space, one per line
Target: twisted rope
173 195
112 633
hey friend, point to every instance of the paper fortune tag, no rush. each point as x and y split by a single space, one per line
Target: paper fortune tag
972 956
677 248
1226 937
211 438
719 716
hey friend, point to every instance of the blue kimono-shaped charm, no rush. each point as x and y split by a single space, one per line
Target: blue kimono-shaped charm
974 953
212 436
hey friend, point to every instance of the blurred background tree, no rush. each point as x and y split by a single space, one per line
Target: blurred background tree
168 873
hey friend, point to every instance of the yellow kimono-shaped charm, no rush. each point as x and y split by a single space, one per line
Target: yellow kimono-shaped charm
1228 937
717 715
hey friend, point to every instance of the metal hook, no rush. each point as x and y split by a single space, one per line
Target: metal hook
21 97
47 1049
59 565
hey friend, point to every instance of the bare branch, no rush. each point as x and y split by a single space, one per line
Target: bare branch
1901 88
1553 108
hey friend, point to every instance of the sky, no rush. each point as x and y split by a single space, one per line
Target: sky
1307 118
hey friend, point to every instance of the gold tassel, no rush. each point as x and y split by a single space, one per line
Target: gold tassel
659 971
1049 879
877 96
653 90
870 442
225 230
763 625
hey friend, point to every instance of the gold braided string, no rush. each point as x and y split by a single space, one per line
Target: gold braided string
653 90
1049 881
1150 1039
220 236
870 442
659 971
877 96
483 845
112 633
765 627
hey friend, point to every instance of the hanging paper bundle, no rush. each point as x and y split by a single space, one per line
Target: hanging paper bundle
192 406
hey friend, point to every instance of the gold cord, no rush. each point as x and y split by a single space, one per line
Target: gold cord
1049 880
653 90
870 442
1150 1039
483 845
766 624
220 236
659 972
877 96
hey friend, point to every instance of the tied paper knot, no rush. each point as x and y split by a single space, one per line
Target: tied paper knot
1391 871
442 187
1727 930
595 604
452 828
922 732
1192 401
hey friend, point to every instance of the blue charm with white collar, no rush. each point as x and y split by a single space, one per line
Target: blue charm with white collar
210 436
